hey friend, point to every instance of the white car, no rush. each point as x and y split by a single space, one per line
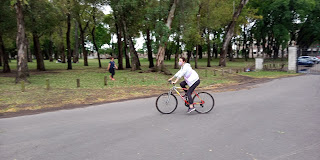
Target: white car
315 60
305 57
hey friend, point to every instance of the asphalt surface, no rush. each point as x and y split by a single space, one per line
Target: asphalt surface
277 120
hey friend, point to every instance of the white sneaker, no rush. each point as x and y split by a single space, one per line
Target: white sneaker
191 109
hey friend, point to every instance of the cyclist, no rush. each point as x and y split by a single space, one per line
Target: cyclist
191 78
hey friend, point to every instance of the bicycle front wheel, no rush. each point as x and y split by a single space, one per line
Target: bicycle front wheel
166 103
208 104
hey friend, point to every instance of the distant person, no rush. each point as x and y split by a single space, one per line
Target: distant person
191 78
111 67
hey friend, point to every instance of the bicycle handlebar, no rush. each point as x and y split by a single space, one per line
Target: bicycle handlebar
170 81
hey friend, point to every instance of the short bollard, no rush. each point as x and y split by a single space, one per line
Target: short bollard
214 73
105 80
78 83
48 84
22 86
222 72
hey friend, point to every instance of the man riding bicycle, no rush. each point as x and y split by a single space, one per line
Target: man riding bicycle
191 78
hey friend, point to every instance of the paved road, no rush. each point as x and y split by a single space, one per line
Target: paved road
278 120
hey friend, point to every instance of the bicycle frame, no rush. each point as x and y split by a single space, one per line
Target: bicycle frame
174 88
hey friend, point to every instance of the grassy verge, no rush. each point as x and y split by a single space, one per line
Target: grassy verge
63 90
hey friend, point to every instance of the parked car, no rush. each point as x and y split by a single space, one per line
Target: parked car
315 60
303 60
305 57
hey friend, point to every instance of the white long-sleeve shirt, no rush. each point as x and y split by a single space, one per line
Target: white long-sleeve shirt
190 75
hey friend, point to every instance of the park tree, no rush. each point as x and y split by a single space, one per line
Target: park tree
280 23
82 13
22 61
40 20
7 28
128 15
97 17
162 45
99 33
116 29
309 32
229 32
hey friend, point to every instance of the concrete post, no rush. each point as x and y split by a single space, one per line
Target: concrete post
259 64
292 59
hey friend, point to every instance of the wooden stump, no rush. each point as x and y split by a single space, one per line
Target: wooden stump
48 84
22 86
78 83
105 80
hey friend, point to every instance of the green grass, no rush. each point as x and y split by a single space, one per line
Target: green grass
129 84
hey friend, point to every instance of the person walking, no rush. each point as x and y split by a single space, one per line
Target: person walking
111 67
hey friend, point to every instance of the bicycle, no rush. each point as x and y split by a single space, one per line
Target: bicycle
167 103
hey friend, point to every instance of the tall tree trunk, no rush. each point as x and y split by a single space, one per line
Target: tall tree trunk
215 50
150 58
84 51
29 54
61 47
282 53
126 53
188 56
134 56
229 33
196 58
200 52
68 37
161 49
176 56
37 52
119 42
76 43
230 53
95 45
22 61
93 37
1 53
208 50
5 57
264 47
50 48
125 41
238 48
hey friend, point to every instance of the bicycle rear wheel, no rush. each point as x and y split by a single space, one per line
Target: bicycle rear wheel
166 104
208 102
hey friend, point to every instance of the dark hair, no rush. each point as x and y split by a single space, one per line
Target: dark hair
183 59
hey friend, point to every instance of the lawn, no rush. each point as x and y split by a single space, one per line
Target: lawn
63 91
